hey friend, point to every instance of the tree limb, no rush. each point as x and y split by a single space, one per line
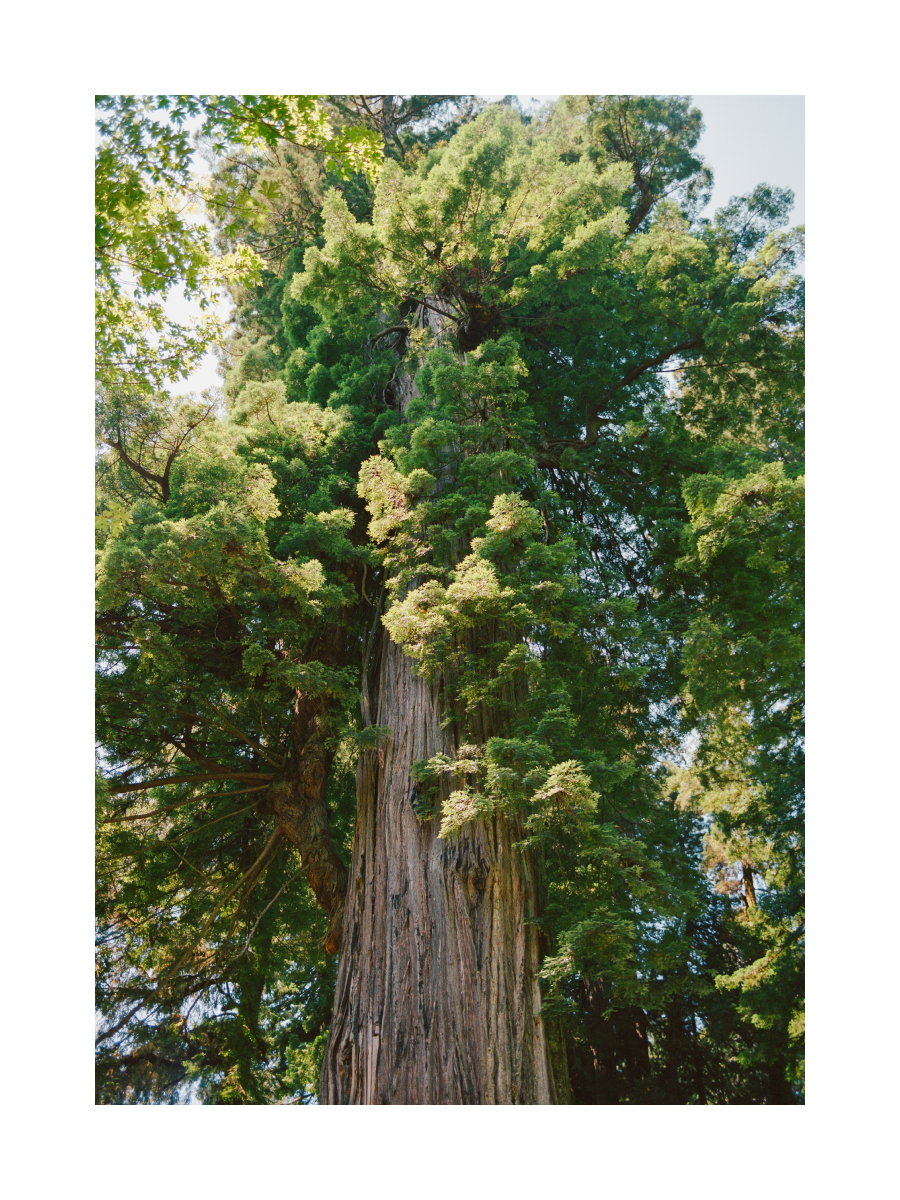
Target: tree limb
217 775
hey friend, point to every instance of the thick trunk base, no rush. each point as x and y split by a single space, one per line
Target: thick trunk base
437 999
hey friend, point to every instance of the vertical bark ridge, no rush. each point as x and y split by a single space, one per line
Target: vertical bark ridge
437 998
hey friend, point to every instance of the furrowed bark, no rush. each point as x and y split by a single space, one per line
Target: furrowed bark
437 998
299 801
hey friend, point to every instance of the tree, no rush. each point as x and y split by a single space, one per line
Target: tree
474 529
147 237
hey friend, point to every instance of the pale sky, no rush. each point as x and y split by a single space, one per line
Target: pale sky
748 140
751 140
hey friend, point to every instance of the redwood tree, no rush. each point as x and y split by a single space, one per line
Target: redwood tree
455 532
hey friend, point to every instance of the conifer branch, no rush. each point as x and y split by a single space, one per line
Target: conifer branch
115 1029
181 803
209 777
253 871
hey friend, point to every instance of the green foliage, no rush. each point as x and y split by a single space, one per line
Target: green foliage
149 237
515 407
743 660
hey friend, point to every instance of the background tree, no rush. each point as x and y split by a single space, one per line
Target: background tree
149 234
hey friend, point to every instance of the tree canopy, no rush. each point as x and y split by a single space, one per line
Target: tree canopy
149 234
513 404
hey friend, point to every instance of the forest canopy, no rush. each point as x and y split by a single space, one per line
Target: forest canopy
450 655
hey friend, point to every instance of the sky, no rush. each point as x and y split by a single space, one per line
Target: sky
747 140
751 140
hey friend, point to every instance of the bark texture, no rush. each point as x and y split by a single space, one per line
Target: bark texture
298 799
300 803
437 998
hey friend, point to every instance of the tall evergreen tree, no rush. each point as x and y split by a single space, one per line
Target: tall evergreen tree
503 517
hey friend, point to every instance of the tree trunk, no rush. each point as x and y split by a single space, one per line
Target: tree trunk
749 888
437 998
301 805
299 797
